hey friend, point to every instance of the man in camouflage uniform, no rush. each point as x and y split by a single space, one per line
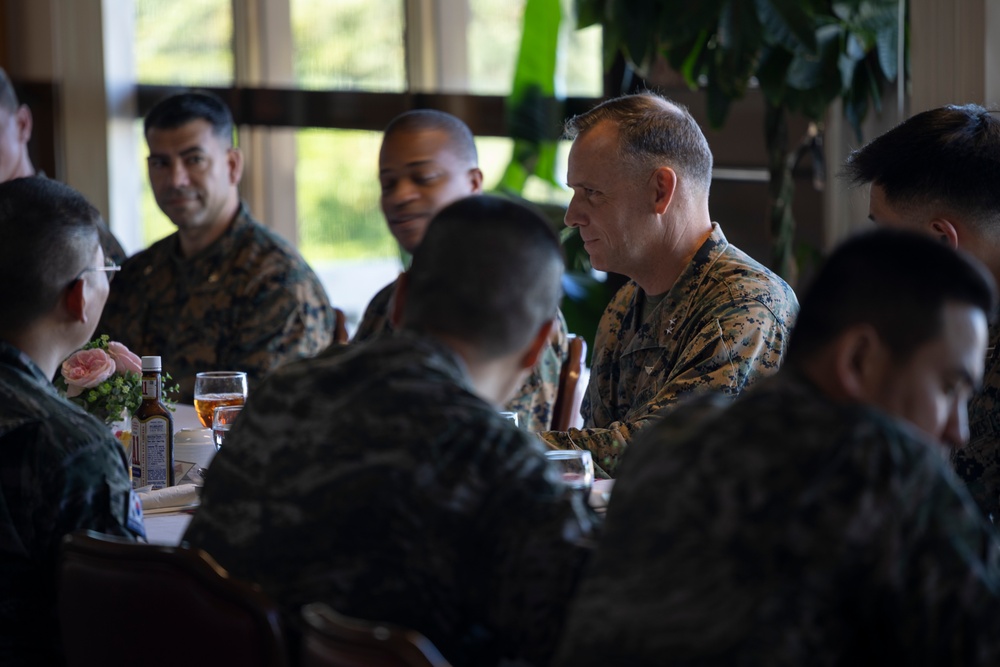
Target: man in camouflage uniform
15 162
224 292
428 160
807 523
60 468
698 314
938 173
380 479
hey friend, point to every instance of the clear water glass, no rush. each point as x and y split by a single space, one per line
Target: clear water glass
576 467
222 421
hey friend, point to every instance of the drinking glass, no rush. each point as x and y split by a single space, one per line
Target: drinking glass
222 420
510 416
576 467
217 388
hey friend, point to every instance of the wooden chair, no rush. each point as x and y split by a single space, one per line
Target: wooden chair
122 603
339 326
331 639
566 411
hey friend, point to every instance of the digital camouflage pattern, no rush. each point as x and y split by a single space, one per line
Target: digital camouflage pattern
60 471
533 402
248 302
722 326
373 479
978 463
784 529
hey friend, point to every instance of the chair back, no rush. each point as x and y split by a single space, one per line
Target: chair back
331 639
569 397
123 603
339 326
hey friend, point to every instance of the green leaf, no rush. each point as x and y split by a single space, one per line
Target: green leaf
787 23
589 12
718 104
807 72
887 44
772 73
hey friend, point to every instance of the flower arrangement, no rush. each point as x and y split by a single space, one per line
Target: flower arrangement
104 378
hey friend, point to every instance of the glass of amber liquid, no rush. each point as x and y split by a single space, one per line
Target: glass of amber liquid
215 389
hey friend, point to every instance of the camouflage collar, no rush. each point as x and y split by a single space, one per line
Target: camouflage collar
222 247
12 356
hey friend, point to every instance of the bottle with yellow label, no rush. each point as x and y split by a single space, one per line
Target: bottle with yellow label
152 432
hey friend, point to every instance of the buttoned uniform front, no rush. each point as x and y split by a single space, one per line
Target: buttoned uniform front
785 529
374 479
533 402
978 463
248 302
60 471
722 326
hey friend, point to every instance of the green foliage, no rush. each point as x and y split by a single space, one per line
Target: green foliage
804 55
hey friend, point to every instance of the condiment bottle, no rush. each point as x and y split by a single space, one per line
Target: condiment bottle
152 432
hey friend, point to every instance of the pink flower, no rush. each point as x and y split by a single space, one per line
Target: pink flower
85 369
126 361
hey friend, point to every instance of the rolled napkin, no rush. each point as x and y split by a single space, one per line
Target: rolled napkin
183 495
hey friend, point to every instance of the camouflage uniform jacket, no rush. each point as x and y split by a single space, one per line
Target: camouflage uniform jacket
723 325
783 529
60 471
533 402
978 463
373 479
248 302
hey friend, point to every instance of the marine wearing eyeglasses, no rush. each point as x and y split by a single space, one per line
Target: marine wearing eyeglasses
60 468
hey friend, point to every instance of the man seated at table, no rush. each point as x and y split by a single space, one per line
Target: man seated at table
223 292
815 519
937 173
15 162
380 478
60 468
698 314
428 159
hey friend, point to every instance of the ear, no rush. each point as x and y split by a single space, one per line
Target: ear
24 123
946 231
398 300
476 180
538 343
860 359
234 156
665 184
75 301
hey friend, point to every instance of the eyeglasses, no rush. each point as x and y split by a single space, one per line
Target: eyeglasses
109 267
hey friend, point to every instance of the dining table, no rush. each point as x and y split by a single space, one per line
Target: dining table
193 452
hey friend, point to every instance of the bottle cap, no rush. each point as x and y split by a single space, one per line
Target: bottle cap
151 364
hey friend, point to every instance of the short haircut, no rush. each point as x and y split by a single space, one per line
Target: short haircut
488 272
8 98
896 281
949 156
49 233
653 132
424 120
180 109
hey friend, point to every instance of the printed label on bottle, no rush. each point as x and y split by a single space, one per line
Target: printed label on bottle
151 388
151 464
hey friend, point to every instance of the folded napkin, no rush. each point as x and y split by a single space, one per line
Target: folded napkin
183 495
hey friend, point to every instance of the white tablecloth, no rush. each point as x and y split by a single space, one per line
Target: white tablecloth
166 528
